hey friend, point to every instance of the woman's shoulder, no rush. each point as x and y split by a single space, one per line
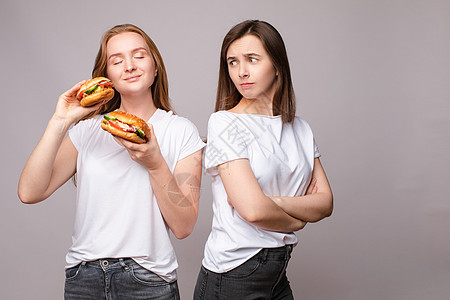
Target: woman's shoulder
222 118
85 130
221 114
299 120
225 115
177 122
301 124
90 122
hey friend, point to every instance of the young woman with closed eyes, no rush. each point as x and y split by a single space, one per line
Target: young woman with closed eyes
129 196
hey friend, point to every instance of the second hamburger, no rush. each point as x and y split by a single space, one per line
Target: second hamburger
126 126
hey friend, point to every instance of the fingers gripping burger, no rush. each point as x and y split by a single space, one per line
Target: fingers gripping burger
126 126
98 89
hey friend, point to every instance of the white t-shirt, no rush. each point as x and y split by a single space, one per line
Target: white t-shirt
116 213
282 159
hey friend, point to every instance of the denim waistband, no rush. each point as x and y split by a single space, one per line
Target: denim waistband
108 262
283 252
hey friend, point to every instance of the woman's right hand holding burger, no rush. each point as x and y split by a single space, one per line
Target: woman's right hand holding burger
69 108
53 161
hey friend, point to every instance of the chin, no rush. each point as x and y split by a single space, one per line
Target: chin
249 96
132 88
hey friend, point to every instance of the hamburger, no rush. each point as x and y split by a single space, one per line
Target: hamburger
126 126
95 90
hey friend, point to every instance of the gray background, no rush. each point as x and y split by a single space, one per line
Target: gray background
371 78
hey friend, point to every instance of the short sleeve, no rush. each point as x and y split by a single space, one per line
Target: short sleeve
316 150
225 141
191 141
74 135
79 131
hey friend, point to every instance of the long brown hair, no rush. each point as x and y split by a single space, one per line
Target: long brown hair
284 98
159 88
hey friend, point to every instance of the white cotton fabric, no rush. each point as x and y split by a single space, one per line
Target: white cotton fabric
116 211
282 158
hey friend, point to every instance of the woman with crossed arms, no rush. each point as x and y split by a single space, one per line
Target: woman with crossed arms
267 179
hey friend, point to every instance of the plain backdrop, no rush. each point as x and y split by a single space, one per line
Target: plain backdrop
371 77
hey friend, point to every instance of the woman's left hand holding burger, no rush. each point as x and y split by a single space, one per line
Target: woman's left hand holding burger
177 193
148 155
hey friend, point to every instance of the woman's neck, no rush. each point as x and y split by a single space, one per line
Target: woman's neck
253 106
140 106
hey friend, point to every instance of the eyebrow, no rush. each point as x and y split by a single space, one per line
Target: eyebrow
245 55
134 50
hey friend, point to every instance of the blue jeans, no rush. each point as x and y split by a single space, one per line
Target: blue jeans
116 279
261 277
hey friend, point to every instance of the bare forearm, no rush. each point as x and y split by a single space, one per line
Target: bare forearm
276 219
36 175
264 213
180 210
310 208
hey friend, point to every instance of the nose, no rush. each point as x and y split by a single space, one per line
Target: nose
129 65
243 71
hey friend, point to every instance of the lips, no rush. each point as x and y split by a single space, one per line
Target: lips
246 85
132 78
